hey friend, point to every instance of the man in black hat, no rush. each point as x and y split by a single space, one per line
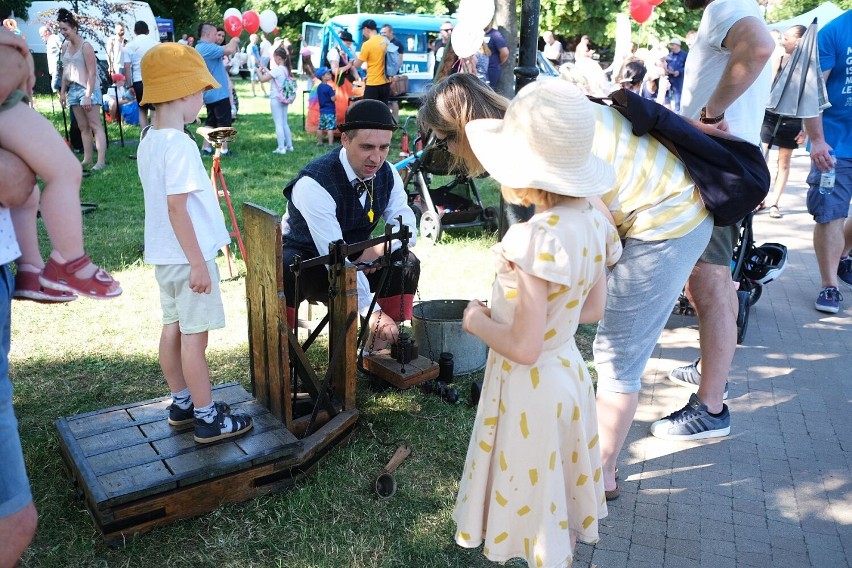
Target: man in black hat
377 84
342 195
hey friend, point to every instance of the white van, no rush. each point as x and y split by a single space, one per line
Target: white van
40 13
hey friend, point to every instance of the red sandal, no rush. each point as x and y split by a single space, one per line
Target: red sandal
28 287
63 277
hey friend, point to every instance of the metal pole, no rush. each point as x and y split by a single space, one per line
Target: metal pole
525 73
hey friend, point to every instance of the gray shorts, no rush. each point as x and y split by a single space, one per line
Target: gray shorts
640 294
720 249
194 312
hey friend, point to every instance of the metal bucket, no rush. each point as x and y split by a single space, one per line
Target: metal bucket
437 327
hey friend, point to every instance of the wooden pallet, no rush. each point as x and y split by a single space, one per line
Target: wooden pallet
135 472
401 376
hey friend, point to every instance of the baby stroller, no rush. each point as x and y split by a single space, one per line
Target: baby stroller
454 205
752 267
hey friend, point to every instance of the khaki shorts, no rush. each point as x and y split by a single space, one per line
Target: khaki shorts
720 249
196 313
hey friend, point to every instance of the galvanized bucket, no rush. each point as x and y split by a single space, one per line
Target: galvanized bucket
437 327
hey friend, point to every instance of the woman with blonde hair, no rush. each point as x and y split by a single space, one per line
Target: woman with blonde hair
81 88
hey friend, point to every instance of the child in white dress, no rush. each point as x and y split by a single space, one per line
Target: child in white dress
532 481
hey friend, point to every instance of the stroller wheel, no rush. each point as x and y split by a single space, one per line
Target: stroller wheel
430 227
754 294
418 213
489 219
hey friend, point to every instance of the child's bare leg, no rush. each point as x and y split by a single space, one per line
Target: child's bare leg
93 116
319 137
27 134
170 357
196 373
85 133
26 230
330 137
572 535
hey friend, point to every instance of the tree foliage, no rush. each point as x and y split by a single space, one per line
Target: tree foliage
19 7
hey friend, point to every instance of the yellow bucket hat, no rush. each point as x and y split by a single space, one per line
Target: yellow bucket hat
173 70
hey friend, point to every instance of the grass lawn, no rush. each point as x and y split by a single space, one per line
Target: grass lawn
91 355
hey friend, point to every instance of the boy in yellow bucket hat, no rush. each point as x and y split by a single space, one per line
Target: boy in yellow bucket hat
184 230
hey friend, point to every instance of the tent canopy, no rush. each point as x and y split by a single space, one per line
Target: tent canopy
824 14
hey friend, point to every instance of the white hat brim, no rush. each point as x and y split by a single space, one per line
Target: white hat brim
509 160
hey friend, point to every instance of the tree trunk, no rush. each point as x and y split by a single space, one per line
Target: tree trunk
506 22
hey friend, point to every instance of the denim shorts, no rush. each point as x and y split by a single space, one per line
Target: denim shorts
827 208
14 486
194 312
76 93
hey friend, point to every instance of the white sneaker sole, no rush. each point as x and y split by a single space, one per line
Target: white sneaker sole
686 437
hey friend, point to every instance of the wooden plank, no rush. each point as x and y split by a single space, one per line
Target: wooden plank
344 304
278 339
270 445
100 443
78 466
260 281
137 481
123 458
99 422
208 462
389 369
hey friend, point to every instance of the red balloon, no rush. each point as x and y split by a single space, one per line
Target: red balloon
640 10
251 21
233 26
275 31
654 2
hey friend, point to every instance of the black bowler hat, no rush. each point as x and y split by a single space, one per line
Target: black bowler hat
370 114
345 36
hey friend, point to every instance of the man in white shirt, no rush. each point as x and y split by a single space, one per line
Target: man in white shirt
726 84
342 195
53 46
133 53
115 49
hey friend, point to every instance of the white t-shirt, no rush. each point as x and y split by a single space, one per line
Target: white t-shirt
169 164
134 51
280 74
707 61
9 249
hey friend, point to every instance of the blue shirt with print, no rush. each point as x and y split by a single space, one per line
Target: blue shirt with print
835 54
212 55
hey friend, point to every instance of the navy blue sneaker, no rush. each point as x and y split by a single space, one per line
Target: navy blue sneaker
844 271
223 426
179 416
693 422
829 300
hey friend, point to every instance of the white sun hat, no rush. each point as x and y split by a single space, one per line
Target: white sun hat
544 141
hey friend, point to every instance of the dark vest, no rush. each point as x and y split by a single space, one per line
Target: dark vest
328 172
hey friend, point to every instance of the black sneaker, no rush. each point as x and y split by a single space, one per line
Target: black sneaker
180 416
693 422
844 271
206 432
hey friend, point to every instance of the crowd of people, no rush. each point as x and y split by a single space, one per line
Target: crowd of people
619 229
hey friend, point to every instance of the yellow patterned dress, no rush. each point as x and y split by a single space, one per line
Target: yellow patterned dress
533 466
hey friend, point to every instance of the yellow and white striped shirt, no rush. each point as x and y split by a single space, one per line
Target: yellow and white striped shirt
654 197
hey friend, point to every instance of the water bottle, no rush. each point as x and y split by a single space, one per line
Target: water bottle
826 179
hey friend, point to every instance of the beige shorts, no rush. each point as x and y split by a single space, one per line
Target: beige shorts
194 312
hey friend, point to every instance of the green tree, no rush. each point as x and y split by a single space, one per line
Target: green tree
790 8
19 7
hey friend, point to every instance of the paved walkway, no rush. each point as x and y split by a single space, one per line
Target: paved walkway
778 490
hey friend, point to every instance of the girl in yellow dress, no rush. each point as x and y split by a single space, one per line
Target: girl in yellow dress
532 482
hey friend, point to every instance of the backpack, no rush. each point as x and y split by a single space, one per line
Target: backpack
731 174
393 59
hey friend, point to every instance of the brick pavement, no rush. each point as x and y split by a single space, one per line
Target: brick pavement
778 490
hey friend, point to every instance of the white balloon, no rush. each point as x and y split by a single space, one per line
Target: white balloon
480 13
466 38
268 21
232 12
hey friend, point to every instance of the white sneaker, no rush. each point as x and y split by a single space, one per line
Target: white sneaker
279 151
289 148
